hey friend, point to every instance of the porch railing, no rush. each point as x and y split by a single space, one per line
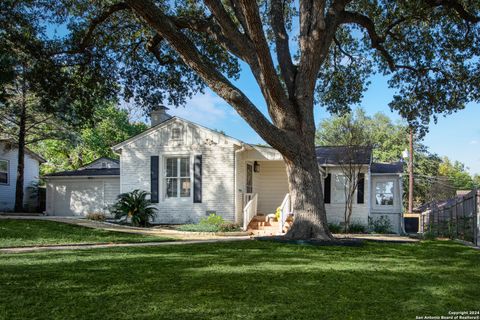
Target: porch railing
247 197
285 211
250 210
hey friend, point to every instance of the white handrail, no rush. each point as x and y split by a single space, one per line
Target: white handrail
285 210
249 211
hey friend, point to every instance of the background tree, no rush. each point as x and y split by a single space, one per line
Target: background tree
353 132
111 125
43 91
164 51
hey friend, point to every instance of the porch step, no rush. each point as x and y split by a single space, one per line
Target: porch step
261 226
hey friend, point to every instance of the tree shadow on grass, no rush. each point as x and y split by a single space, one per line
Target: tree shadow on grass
244 280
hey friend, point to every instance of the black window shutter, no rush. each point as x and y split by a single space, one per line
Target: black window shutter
327 188
197 179
154 168
361 188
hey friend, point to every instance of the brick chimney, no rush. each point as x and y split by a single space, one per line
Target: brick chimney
158 115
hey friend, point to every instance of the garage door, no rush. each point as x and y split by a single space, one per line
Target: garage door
78 198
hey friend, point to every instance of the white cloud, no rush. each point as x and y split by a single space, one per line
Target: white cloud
205 109
474 142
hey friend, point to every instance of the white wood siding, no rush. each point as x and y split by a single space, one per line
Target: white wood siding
273 185
80 196
218 174
31 176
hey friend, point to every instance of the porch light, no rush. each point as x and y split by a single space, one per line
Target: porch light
256 166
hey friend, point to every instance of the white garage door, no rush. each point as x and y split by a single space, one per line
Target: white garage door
77 198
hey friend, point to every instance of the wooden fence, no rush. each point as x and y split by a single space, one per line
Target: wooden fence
457 218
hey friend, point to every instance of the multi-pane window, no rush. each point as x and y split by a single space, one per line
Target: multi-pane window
3 172
339 186
177 177
176 134
384 193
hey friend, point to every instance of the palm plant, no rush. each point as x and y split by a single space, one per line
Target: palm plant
136 206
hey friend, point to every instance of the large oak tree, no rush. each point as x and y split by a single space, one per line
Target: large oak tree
314 52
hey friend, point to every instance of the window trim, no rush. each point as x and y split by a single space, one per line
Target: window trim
333 190
164 177
7 172
384 206
180 132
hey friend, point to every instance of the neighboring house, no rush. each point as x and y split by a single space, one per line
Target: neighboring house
91 188
8 176
192 171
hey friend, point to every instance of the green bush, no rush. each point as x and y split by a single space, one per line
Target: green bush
335 228
229 227
429 235
96 216
198 228
380 225
135 206
212 220
356 227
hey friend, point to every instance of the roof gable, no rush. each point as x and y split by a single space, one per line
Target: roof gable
102 163
10 145
169 122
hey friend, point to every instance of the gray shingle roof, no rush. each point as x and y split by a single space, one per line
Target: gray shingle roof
396 167
341 154
87 172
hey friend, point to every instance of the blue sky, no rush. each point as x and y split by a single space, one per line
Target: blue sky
456 136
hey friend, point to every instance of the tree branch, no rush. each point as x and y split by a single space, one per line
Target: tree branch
167 29
376 40
287 69
99 20
457 6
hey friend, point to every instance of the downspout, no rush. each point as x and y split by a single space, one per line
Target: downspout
235 168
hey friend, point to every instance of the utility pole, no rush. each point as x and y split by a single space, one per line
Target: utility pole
410 173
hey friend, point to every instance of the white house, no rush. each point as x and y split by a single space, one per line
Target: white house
192 171
8 176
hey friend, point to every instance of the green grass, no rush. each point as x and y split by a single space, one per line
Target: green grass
242 280
15 233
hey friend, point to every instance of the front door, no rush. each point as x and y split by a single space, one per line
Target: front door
249 181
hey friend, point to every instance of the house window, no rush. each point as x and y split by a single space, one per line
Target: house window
339 188
3 172
177 177
384 193
176 134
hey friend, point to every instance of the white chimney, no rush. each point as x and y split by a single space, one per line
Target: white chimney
158 115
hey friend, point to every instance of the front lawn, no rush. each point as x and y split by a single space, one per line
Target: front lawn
242 280
17 233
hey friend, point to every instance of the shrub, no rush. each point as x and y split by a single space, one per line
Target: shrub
198 228
212 220
357 228
380 225
429 235
96 216
229 227
335 228
135 206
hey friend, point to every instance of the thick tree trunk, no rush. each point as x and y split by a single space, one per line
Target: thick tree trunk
310 220
19 194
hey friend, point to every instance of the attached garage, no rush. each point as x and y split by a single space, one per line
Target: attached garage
87 190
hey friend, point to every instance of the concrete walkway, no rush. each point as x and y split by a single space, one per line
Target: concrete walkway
113 245
154 231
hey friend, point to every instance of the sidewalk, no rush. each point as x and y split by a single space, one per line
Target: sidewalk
154 231
113 245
